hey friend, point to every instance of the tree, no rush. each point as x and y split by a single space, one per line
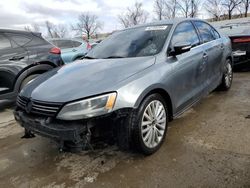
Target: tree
34 27
88 24
189 8
165 9
214 7
56 31
61 30
230 6
246 4
49 26
134 16
172 8
159 6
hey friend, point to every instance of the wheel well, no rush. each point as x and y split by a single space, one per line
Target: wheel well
230 58
44 67
166 96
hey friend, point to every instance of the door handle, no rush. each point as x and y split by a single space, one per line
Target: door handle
222 46
16 58
205 56
74 50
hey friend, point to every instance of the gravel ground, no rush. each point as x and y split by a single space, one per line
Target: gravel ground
208 146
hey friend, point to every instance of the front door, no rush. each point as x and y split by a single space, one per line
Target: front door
190 67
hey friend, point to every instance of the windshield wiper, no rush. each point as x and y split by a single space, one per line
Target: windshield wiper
113 57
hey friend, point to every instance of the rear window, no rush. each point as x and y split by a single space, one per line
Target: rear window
18 40
37 40
4 42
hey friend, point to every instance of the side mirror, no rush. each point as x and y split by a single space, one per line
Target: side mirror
180 47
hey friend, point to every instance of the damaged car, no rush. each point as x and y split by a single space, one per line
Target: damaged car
129 86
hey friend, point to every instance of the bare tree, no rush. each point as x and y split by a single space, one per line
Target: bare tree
214 7
61 30
230 6
189 8
34 27
159 8
246 4
88 24
171 9
27 28
134 16
49 26
56 31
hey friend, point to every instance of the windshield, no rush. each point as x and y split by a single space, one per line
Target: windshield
134 42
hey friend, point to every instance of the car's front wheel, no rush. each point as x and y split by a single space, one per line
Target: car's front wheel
147 126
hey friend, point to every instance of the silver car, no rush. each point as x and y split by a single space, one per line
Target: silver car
129 86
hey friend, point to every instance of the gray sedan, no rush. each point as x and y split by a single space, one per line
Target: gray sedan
129 86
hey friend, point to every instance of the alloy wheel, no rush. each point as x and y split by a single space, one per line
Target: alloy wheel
153 124
228 74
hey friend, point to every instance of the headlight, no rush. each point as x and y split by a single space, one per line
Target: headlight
88 108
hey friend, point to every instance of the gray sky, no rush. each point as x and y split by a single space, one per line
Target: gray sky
19 13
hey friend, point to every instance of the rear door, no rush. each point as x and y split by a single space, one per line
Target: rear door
189 71
12 60
213 45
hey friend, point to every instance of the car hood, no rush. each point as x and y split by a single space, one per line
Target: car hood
84 78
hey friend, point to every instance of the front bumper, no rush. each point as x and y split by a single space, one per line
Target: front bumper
61 131
46 127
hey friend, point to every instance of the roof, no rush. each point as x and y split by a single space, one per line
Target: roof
174 21
18 31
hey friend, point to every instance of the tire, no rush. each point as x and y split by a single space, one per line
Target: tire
227 77
135 135
27 80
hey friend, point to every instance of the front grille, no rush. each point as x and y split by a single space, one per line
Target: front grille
38 107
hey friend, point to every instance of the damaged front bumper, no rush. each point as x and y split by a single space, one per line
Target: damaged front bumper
47 127
71 135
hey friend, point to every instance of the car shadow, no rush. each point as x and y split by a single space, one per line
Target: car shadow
4 104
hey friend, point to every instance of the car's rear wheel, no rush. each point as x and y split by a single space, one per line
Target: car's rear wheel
227 77
147 126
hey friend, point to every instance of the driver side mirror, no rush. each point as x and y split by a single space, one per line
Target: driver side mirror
180 47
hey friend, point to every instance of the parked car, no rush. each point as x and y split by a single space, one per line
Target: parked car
132 87
239 33
23 56
71 49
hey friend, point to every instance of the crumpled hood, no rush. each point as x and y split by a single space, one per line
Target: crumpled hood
84 78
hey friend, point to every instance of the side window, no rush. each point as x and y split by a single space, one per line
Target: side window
216 34
205 30
4 42
19 40
185 32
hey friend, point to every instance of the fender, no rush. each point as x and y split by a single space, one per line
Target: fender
158 88
29 71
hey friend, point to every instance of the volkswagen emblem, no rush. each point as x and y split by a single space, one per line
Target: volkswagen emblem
28 107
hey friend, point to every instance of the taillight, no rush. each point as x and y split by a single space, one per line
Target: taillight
241 40
55 50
